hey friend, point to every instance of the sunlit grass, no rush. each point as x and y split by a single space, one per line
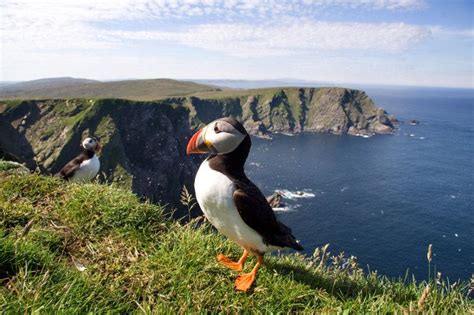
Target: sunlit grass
96 248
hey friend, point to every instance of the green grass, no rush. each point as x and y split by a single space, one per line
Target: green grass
141 90
9 166
138 260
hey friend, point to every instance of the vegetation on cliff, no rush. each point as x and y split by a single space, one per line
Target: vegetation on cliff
96 248
144 142
328 110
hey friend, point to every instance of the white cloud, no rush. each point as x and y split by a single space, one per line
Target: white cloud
372 4
34 25
452 33
41 38
290 37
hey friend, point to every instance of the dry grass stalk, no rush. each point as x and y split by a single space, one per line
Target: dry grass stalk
27 227
429 254
471 286
423 297
323 255
438 278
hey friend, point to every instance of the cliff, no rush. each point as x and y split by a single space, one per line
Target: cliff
293 110
144 142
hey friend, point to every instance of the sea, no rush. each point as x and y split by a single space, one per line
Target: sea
383 199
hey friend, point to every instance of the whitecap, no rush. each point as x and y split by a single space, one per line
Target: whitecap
295 194
282 209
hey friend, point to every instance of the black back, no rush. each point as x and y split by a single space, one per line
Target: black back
252 205
72 166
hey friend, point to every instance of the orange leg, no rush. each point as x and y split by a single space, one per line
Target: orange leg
237 266
245 281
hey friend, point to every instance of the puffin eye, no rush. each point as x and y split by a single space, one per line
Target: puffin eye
216 128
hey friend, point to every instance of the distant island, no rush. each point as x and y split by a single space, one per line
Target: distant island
144 124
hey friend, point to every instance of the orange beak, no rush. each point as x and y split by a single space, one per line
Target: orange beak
98 148
196 144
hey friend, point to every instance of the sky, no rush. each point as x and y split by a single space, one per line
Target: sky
404 42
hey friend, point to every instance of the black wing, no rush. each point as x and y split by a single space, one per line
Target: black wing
70 168
254 209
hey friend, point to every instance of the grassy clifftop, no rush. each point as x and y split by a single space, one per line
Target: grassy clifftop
97 248
142 90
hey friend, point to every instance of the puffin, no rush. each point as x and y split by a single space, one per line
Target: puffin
85 166
231 202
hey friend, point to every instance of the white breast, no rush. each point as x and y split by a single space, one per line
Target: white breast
214 193
87 170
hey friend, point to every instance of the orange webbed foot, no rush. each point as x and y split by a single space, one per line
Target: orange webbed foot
229 263
244 281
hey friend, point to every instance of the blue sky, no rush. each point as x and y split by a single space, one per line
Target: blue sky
404 42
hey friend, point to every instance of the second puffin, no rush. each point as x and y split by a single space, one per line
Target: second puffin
231 202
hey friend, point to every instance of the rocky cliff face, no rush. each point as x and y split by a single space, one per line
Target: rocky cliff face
329 110
144 142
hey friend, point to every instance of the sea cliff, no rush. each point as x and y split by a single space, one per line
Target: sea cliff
144 142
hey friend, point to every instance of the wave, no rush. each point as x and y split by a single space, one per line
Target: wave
282 209
295 194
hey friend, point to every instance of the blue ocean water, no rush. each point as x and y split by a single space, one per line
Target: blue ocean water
384 199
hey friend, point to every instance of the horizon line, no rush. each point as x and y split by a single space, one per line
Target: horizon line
339 84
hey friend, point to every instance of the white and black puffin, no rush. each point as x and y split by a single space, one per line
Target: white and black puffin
231 202
85 166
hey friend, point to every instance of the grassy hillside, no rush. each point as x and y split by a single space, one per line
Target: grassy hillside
141 90
49 83
95 248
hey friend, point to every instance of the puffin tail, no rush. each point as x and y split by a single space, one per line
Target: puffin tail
296 246
287 239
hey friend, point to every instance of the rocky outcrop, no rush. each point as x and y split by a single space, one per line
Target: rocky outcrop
275 200
294 110
143 142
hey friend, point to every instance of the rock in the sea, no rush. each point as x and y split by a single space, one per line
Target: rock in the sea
353 131
393 119
381 128
413 122
275 200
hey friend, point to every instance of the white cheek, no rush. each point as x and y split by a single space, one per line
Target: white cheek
87 145
226 142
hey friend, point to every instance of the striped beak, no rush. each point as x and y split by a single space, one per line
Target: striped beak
196 144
